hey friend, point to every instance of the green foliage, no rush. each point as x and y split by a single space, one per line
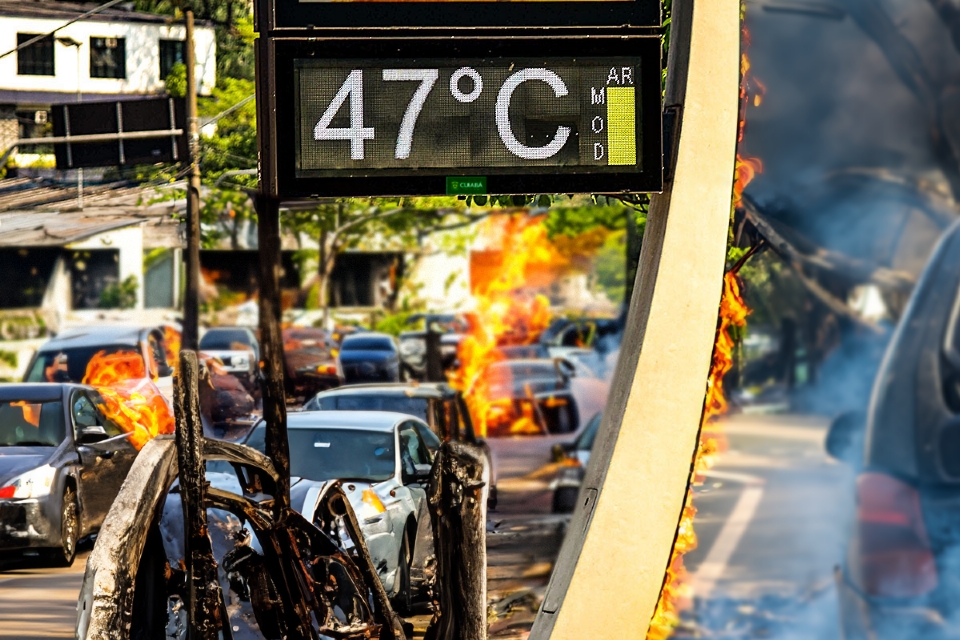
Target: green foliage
9 358
122 295
610 266
176 82
394 323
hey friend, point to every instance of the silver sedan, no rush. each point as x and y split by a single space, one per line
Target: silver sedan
383 461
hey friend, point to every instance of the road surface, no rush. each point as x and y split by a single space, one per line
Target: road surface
771 520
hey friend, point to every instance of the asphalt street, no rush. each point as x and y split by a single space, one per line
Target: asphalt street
771 522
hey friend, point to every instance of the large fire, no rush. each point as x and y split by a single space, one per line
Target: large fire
733 313
131 398
509 310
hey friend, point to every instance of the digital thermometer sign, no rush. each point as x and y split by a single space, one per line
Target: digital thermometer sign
523 123
490 116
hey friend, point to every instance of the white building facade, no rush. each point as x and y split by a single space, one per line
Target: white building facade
111 55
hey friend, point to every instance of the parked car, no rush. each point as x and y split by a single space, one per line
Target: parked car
413 344
230 339
436 403
384 460
65 357
899 579
369 357
62 462
572 458
311 361
530 397
237 351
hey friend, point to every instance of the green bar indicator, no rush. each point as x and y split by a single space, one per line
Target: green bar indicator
622 125
466 185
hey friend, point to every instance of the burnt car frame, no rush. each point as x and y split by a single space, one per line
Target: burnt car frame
53 495
536 388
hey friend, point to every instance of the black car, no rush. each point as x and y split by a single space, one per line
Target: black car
369 357
62 463
900 577
436 403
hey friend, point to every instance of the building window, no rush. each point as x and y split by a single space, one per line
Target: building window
37 58
171 52
107 58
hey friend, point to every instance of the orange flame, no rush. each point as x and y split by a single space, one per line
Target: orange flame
171 347
131 399
508 311
733 313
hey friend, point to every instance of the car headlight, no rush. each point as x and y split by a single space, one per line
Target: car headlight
372 514
32 484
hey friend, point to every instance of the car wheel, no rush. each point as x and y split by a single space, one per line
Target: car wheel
69 530
565 499
404 599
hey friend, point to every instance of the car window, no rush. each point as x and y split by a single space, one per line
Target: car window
89 410
585 441
31 423
416 407
70 365
365 343
429 438
412 449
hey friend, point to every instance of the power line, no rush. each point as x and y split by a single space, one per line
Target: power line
67 24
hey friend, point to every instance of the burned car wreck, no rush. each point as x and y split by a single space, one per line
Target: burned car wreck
186 553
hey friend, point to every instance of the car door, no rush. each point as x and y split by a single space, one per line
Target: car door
103 465
413 452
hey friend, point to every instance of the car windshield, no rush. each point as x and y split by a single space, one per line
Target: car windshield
70 365
230 340
328 454
367 344
374 402
26 423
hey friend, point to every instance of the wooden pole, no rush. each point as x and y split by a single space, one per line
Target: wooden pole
202 592
612 563
271 347
191 296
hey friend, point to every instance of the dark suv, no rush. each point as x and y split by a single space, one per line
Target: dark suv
901 575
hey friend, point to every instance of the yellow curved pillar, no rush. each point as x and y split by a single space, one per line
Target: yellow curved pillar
608 578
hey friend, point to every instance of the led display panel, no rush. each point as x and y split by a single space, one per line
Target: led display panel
405 125
489 115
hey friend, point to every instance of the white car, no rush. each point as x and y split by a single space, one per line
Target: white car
383 460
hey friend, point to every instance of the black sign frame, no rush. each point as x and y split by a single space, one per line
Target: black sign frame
278 106
280 15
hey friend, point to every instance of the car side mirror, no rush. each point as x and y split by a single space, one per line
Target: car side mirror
844 440
423 472
91 435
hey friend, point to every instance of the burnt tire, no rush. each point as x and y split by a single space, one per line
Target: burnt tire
565 499
403 601
64 555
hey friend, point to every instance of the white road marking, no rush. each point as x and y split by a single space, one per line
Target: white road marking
713 566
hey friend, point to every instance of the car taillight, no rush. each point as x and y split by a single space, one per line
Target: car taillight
7 492
892 556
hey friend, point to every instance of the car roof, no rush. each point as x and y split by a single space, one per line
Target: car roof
366 335
359 420
36 391
422 390
96 336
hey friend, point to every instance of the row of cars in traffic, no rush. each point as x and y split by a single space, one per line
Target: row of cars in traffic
63 457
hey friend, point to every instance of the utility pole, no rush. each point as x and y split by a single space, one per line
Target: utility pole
191 296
